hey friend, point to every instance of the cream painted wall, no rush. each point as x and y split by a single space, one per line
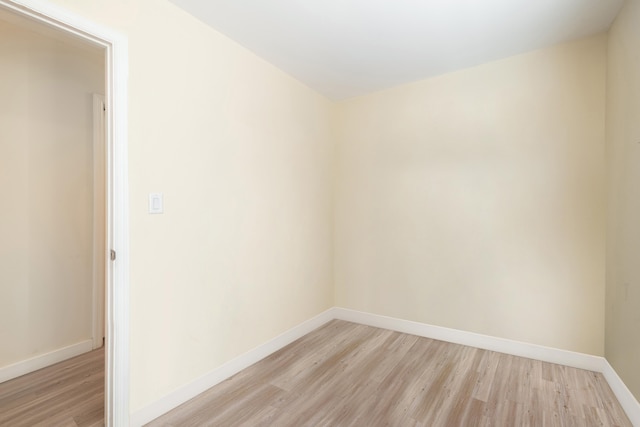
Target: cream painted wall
46 186
242 154
475 200
622 348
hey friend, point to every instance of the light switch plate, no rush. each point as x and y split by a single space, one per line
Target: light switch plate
156 205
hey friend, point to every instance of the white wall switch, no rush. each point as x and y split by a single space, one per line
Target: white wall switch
155 203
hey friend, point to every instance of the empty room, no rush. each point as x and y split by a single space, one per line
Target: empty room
337 213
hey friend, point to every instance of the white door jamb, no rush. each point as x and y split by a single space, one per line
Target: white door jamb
99 220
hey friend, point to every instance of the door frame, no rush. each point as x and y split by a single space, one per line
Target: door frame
99 220
115 46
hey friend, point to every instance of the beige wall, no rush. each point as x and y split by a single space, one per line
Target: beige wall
46 188
475 200
241 152
623 155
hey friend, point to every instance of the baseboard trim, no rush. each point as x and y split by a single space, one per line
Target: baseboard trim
23 367
486 342
516 348
627 400
532 351
194 388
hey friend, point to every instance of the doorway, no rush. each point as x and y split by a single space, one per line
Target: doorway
54 18
52 169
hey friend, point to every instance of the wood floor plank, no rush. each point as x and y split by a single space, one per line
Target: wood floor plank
70 393
345 374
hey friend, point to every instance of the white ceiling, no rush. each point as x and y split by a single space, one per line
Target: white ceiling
345 48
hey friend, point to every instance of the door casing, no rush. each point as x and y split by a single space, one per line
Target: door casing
99 220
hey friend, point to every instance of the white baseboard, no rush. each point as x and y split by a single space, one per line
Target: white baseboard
192 389
516 348
501 345
627 400
42 361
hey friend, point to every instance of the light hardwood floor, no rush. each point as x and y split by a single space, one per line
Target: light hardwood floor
345 374
67 394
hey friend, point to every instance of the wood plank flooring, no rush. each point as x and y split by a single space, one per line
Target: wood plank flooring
67 394
345 374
